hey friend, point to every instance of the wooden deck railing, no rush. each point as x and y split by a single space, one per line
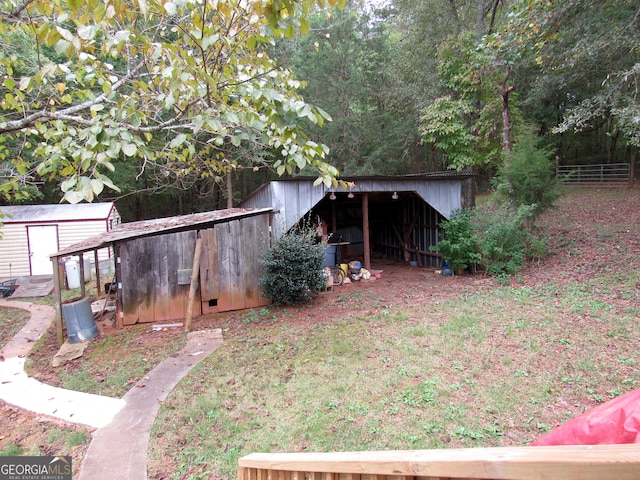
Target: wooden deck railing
588 462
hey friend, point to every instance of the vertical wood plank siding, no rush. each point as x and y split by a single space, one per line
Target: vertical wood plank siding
209 271
149 272
154 270
240 244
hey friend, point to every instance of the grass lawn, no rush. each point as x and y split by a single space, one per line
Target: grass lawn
471 363
494 368
11 321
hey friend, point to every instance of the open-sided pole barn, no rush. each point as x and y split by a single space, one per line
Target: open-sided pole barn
395 217
154 263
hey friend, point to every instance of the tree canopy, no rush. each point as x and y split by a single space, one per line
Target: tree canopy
178 86
186 96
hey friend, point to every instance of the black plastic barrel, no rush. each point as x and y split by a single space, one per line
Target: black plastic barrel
81 325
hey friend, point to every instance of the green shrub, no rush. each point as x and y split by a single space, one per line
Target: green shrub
504 240
528 177
458 244
292 267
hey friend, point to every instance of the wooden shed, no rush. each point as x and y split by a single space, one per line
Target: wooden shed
31 233
154 262
395 217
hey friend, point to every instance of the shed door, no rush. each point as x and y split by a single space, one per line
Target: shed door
209 279
43 241
238 245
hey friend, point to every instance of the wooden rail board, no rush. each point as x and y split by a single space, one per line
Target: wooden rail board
583 462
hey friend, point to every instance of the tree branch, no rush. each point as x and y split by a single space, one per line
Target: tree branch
15 15
68 113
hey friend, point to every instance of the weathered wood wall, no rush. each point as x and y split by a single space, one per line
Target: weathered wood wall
209 273
155 272
230 269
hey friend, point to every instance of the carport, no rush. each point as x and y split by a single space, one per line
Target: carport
393 217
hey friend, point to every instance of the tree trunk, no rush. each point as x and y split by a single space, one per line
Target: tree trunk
454 14
506 118
229 190
484 7
469 189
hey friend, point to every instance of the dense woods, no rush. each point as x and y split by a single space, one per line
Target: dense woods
172 108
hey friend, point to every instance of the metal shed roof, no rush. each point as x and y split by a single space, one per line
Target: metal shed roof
293 198
56 213
159 226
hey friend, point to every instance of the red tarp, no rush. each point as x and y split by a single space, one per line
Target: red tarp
614 422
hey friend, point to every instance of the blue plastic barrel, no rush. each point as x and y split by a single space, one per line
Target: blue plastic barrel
81 325
329 256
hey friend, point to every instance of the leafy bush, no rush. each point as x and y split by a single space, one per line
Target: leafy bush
496 237
292 267
504 240
458 244
528 177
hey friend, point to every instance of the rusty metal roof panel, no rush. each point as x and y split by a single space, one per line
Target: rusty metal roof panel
159 226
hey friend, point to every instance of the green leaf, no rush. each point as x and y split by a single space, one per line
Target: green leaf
25 83
108 183
61 46
170 8
178 141
300 161
87 32
75 4
304 26
68 184
129 149
97 186
74 197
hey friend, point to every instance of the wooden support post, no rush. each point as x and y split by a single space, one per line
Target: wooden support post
195 274
97 265
83 288
57 290
365 231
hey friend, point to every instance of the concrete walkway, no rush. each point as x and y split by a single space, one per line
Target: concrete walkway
18 389
118 449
